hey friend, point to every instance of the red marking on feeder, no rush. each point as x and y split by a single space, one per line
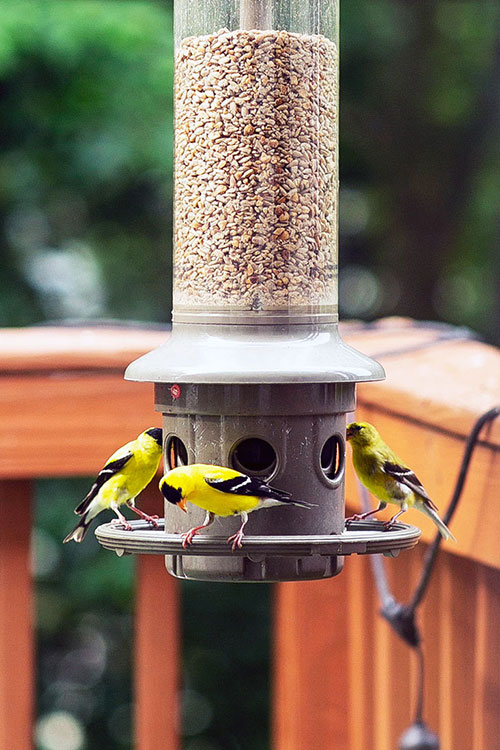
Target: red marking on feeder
175 391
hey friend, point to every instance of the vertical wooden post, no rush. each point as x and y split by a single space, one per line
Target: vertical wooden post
16 617
157 648
311 676
484 696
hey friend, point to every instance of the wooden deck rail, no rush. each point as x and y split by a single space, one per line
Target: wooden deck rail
342 680
64 401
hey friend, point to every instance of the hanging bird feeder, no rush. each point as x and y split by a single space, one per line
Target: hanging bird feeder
255 375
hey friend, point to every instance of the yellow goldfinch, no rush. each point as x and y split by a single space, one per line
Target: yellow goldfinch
124 475
221 492
387 477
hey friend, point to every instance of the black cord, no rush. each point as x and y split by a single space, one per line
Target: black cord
470 445
419 708
402 617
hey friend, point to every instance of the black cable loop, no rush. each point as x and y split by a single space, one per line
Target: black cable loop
430 556
401 617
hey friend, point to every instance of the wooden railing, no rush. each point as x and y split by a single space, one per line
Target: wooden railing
63 406
342 679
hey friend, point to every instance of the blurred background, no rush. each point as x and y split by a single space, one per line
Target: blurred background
85 218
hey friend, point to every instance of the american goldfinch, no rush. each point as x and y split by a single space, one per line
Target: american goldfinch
124 475
387 477
221 492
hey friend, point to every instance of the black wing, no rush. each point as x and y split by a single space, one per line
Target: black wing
243 485
111 468
407 477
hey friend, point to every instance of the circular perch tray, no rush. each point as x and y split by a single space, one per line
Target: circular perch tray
361 538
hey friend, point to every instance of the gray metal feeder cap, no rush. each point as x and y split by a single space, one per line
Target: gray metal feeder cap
217 353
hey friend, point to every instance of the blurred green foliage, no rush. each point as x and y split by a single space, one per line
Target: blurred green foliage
85 222
85 641
86 160
84 623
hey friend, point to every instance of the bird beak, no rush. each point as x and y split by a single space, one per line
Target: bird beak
182 504
348 433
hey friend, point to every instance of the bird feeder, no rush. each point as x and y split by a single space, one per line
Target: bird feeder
255 375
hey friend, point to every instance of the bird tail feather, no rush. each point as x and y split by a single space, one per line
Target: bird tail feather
442 527
302 504
80 509
78 533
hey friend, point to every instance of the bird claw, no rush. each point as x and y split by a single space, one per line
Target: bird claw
124 524
153 520
389 525
187 537
236 539
355 517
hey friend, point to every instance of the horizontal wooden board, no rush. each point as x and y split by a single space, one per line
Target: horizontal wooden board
68 424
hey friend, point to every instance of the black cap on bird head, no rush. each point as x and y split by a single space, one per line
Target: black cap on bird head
173 495
157 434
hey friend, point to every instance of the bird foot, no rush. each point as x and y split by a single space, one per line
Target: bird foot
237 540
152 520
355 517
389 525
187 537
124 524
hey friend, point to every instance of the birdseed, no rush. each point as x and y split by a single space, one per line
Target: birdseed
256 179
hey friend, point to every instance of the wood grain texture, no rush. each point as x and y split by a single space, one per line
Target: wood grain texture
53 348
67 424
16 617
157 646
375 688
310 698
157 656
485 698
435 458
445 384
358 607
342 679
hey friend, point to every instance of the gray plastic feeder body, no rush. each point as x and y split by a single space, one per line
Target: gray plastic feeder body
270 400
279 432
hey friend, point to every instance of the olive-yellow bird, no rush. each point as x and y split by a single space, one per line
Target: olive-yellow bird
387 477
124 475
221 492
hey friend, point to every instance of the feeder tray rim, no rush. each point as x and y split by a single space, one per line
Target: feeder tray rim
362 537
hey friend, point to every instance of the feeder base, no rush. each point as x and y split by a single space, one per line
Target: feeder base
261 558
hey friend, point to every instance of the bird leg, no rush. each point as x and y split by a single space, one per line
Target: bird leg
150 519
362 516
392 521
121 518
236 539
187 536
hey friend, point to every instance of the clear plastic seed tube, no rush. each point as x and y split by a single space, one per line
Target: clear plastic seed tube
256 160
